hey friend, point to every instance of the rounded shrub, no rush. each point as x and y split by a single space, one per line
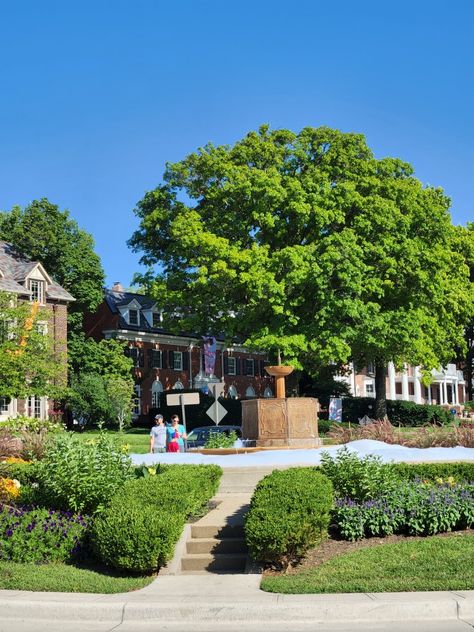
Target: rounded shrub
289 513
134 537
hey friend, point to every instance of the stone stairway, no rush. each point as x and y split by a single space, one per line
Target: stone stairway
216 542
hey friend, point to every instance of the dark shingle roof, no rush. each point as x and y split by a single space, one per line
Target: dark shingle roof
15 267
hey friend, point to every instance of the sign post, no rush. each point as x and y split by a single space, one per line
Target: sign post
182 399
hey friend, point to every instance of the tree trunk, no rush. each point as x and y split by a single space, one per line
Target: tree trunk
380 391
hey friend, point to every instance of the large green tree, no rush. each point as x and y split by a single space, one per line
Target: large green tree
308 244
47 234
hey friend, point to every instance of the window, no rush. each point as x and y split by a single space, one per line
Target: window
369 389
156 391
4 404
155 359
370 368
137 401
249 367
178 386
231 366
42 327
156 319
268 392
133 316
398 388
232 392
34 407
177 360
137 356
250 392
37 291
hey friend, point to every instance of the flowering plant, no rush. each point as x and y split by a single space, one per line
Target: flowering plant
9 489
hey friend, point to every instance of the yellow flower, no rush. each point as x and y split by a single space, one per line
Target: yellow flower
9 488
125 447
439 480
14 459
450 480
151 471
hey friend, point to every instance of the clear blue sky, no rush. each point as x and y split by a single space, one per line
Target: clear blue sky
97 96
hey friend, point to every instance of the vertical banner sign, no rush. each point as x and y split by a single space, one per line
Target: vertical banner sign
335 409
209 354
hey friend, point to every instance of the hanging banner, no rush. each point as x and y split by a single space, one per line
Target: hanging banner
335 409
209 354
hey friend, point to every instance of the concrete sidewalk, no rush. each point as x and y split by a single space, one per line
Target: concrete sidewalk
211 599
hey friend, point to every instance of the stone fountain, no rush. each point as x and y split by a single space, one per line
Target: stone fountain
280 422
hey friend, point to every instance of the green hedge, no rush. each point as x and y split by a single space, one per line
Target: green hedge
399 412
139 529
430 471
289 513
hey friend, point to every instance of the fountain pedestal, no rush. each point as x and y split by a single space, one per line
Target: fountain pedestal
281 422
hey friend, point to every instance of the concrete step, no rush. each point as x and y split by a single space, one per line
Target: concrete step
215 545
208 562
205 531
240 480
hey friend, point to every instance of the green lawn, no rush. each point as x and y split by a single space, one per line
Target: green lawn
65 578
137 438
433 563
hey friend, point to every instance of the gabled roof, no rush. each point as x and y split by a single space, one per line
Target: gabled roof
117 300
16 267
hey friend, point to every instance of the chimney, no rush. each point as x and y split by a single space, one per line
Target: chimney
117 287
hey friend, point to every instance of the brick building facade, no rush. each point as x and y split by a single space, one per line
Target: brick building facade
165 361
29 281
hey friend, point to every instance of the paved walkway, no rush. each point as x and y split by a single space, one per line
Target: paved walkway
232 602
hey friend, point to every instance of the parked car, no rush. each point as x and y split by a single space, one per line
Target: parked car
198 437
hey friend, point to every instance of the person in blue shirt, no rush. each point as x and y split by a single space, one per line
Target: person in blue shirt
176 428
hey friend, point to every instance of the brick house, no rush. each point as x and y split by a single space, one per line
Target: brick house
29 281
165 361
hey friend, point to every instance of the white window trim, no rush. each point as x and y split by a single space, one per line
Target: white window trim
137 312
156 390
41 291
234 369
176 355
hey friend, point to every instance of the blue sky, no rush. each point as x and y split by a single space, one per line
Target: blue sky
97 96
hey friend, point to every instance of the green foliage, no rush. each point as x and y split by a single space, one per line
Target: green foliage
460 472
320 250
469 405
105 358
357 478
140 528
399 412
88 399
45 233
22 423
39 535
289 513
324 426
221 440
135 537
81 476
413 508
120 394
29 363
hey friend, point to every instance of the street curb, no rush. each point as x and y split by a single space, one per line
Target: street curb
264 607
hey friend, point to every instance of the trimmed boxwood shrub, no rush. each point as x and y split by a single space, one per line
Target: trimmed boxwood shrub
289 513
135 537
139 529
431 471
400 413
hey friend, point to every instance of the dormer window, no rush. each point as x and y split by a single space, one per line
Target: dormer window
133 316
156 319
36 288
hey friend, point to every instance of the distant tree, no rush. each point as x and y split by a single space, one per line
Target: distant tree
88 399
121 400
45 233
106 358
307 244
29 364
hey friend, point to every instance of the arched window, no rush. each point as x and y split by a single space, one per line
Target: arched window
178 386
156 390
232 392
137 401
250 392
268 392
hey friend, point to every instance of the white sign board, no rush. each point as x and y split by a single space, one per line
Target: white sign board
185 399
217 412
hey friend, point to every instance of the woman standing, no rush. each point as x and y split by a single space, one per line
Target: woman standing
176 429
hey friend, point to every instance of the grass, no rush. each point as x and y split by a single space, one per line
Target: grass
433 563
66 578
137 438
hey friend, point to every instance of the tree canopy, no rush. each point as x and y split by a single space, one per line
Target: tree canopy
45 233
309 244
